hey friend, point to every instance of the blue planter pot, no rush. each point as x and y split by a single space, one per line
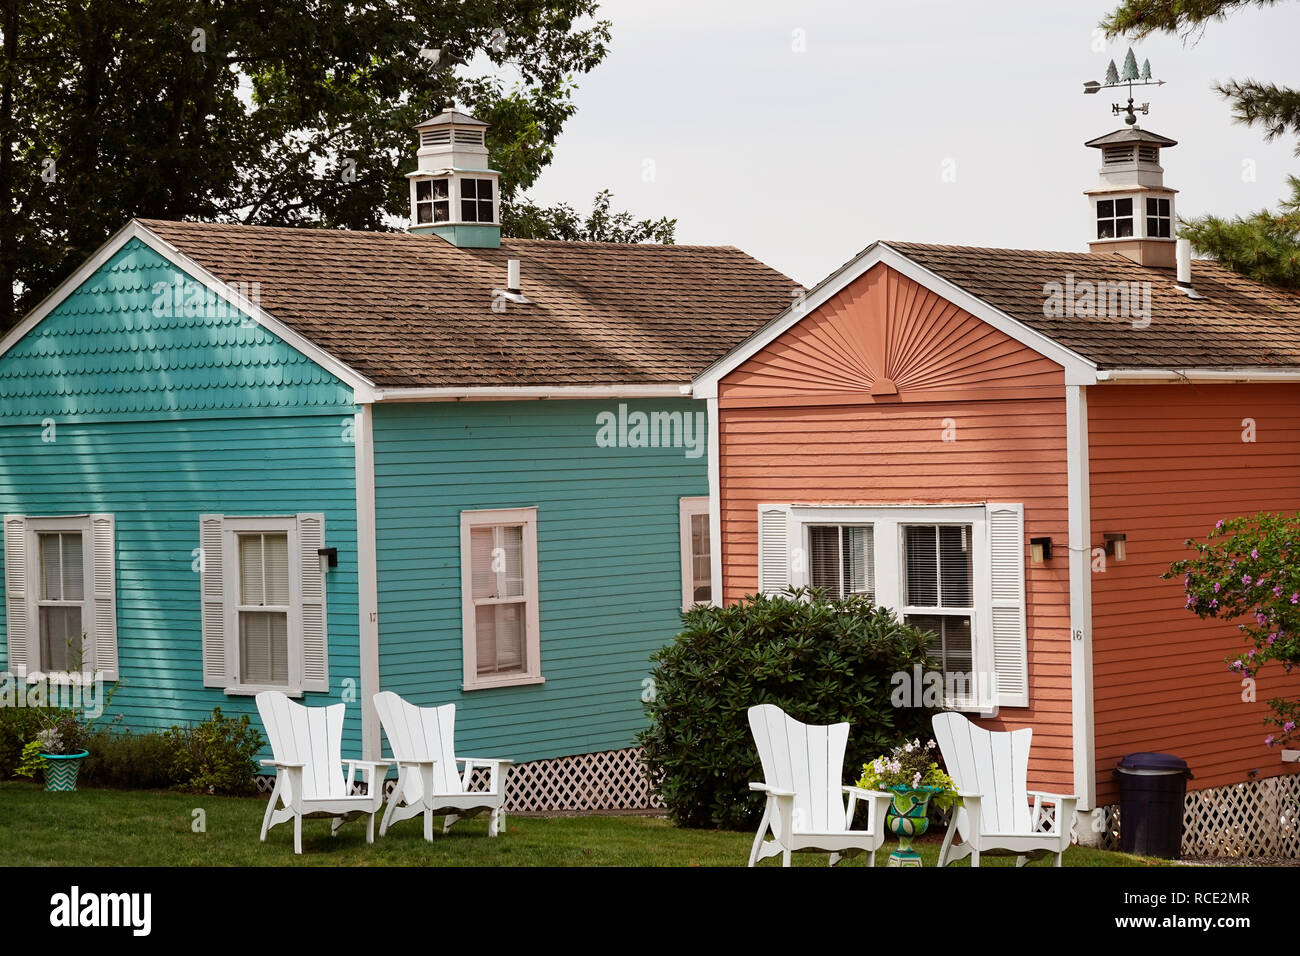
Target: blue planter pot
61 771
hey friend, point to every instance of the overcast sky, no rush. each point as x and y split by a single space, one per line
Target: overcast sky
710 112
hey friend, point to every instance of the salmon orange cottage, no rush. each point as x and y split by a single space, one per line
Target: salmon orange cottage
1010 448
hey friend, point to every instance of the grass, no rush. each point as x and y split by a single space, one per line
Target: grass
155 828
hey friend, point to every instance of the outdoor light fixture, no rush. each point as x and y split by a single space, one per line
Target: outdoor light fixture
330 553
1115 546
1040 550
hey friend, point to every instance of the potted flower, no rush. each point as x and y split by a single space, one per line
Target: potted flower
911 775
58 749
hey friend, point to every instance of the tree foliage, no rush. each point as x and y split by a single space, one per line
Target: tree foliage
1264 246
260 113
1248 570
525 220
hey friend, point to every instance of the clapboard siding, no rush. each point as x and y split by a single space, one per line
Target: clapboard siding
1167 462
609 563
158 419
799 424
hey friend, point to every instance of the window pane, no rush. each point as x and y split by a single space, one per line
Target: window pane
51 568
701 571
824 558
955 554
468 210
510 560
441 211
499 631
1153 206
440 189
423 212
468 189
1106 209
61 644
483 582
1164 207
921 559
485 189
1124 207
950 641
1106 229
485 210
264 647
1123 227
423 190
859 557
74 574
264 569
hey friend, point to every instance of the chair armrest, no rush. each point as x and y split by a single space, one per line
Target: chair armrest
369 764
771 791
281 764
1051 797
486 762
860 792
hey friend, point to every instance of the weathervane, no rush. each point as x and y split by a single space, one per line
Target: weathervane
1130 78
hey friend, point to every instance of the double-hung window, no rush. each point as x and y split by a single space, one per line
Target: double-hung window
501 641
697 570
262 584
60 595
954 572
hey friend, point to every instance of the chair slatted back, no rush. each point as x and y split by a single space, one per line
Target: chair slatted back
992 763
421 733
308 735
807 759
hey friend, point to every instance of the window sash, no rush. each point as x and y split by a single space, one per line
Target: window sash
268 549
59 627
500 627
831 565
695 540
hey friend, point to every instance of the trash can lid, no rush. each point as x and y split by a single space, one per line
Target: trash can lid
1153 762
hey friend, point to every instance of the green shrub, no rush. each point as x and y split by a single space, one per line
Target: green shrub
129 761
216 756
820 660
17 726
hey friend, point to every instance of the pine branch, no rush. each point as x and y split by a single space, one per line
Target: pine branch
1140 18
1275 108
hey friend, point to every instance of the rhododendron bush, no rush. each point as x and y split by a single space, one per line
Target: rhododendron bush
1247 571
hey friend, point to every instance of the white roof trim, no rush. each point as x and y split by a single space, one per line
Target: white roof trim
487 393
1199 375
362 387
1078 370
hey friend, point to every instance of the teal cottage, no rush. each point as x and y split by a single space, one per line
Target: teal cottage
463 468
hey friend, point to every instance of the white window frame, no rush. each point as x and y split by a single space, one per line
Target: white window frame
231 529
61 525
689 508
887 523
527 519
461 198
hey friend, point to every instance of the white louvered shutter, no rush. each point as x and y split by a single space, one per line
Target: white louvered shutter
103 598
311 589
1007 578
20 642
773 548
216 651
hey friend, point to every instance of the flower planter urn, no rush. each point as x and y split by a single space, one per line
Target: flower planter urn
61 770
908 817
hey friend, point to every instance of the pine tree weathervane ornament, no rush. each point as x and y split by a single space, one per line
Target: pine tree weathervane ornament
1130 77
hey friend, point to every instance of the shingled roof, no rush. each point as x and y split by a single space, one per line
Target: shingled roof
415 311
1238 323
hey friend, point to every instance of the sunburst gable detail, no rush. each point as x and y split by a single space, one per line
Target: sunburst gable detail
888 337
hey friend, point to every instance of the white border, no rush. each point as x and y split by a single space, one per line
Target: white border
687 508
532 636
367 578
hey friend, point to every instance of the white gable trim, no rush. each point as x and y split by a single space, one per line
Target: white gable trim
1078 370
362 387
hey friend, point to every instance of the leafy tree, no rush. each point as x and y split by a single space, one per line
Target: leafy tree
1248 569
1264 245
260 113
525 220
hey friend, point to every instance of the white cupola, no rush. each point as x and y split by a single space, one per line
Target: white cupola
1132 209
454 194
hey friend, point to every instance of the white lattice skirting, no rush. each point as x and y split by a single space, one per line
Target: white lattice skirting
611 780
1257 818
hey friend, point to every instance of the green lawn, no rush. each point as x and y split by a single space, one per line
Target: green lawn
125 828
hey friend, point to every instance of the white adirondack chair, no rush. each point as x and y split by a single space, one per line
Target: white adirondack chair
803 766
423 742
998 815
307 744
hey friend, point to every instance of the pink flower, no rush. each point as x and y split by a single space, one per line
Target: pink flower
1260 619
1254 554
1272 637
1268 741
1245 579
1288 726
1277 590
1295 598
1219 526
1217 585
1214 603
